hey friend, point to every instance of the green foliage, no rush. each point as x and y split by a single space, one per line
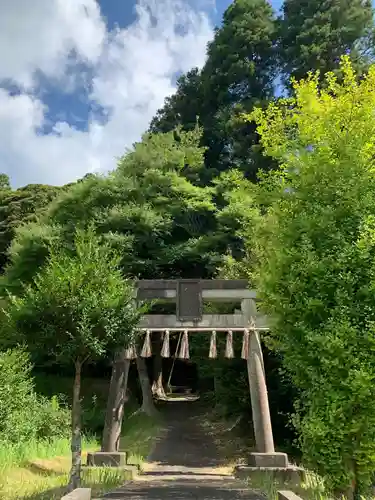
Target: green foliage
180 204
227 378
184 107
24 415
79 306
240 57
238 74
54 419
237 216
4 182
150 211
249 51
315 34
164 167
18 207
315 275
28 253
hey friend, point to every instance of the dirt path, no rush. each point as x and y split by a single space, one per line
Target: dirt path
184 464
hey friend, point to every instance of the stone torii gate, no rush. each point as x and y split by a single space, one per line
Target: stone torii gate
189 295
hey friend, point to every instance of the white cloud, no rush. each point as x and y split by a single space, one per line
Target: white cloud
40 35
133 70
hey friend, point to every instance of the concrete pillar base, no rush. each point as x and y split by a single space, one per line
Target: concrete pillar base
273 459
287 495
107 459
127 472
78 494
293 475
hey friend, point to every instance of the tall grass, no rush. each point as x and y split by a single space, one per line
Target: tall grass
39 470
18 454
313 487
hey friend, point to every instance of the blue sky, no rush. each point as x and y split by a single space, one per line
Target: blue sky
81 79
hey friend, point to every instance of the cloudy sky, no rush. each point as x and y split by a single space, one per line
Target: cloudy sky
81 79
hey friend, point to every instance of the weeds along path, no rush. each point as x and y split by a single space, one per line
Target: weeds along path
184 463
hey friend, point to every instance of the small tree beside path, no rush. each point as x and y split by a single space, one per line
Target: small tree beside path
79 307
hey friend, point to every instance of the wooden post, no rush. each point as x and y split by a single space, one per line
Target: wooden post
258 388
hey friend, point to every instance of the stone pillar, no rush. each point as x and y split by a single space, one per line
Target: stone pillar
115 403
265 455
110 455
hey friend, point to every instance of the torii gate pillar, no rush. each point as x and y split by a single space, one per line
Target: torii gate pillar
265 456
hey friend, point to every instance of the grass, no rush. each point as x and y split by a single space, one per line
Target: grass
235 445
312 489
40 470
232 442
138 438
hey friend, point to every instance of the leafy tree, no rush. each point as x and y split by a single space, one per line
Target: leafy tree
149 211
238 74
240 57
153 213
28 253
314 34
18 207
315 271
184 107
237 216
78 308
4 182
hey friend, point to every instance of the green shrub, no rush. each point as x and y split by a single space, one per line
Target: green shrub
315 275
23 414
54 420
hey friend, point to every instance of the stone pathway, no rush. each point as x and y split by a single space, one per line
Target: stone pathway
184 464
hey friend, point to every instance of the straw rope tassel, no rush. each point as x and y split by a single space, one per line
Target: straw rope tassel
245 345
187 353
229 345
184 350
165 350
146 349
130 352
213 348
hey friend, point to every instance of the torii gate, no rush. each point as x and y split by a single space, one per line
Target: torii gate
189 294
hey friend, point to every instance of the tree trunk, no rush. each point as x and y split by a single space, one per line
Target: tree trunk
157 384
115 403
147 401
76 444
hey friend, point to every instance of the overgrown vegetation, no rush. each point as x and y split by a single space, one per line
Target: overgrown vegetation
18 400
34 453
231 181
39 470
78 308
315 267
